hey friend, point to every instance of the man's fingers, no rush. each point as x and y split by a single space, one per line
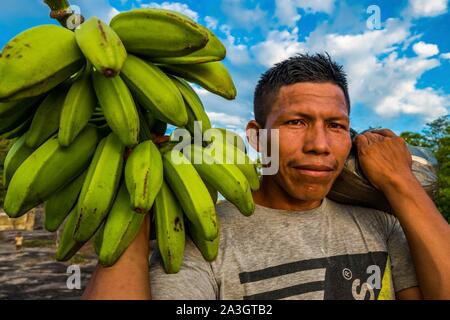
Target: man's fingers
384 132
361 140
372 137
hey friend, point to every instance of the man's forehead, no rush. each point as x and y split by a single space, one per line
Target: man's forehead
304 90
313 97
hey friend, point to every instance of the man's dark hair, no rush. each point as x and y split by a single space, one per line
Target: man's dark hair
300 68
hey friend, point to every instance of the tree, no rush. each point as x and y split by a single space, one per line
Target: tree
436 136
415 139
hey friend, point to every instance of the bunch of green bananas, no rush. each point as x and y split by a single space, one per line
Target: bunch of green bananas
86 107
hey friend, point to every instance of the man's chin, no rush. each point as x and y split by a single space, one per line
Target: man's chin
310 193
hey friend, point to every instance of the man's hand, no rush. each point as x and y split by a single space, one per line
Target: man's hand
384 158
386 162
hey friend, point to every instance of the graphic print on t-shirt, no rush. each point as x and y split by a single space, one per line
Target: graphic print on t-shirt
364 276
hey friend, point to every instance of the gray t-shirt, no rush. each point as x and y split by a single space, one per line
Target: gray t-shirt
334 251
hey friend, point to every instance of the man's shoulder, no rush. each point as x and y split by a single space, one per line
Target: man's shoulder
360 212
331 204
226 210
230 216
229 213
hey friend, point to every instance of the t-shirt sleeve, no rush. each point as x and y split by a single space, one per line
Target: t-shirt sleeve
403 271
194 281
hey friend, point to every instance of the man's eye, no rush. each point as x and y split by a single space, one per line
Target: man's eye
334 125
294 122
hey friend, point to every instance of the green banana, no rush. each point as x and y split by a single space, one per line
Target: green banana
37 60
247 167
46 119
58 206
47 170
213 51
121 227
170 230
224 152
227 136
213 76
154 91
225 178
208 249
100 186
190 190
18 153
98 239
144 175
12 107
144 131
118 107
67 245
212 191
19 131
158 33
15 113
101 46
77 109
196 112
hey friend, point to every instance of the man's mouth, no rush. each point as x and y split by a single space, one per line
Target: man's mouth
314 170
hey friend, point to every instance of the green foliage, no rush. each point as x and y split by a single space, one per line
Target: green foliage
415 139
436 136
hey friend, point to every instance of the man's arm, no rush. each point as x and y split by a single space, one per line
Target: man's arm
386 162
129 277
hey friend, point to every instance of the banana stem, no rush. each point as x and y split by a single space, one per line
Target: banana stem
60 10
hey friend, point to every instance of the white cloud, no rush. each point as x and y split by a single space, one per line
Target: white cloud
237 54
326 6
287 14
243 17
175 6
278 46
407 99
387 83
221 119
211 22
425 49
445 56
428 8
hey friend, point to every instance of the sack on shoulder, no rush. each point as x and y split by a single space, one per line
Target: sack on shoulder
352 187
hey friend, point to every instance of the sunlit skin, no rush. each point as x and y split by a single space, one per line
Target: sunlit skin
314 142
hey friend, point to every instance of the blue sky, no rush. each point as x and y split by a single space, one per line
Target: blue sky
398 72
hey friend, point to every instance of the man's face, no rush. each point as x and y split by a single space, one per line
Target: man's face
314 138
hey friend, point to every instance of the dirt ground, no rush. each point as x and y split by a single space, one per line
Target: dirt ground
33 273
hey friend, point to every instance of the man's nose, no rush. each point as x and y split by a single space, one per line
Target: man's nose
316 140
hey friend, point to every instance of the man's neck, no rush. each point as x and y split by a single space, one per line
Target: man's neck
271 195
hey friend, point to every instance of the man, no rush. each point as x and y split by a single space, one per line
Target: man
298 244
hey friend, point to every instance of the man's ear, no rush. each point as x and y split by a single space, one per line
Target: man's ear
252 132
